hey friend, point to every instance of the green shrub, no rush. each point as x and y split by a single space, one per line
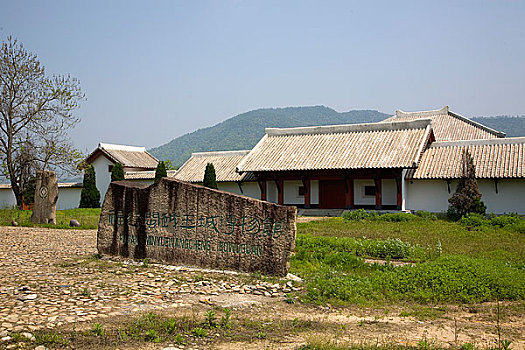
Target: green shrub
117 173
426 215
210 179
89 196
359 214
505 220
473 220
160 171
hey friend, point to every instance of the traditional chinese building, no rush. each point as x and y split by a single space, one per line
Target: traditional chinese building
410 161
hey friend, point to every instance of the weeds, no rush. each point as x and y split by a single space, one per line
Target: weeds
226 319
199 332
97 330
210 319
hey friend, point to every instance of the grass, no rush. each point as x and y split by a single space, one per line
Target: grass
88 218
455 264
196 330
496 242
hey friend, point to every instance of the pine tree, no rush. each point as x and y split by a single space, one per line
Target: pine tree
160 172
467 198
209 177
117 173
90 196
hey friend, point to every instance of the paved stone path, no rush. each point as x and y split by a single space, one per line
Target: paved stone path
53 277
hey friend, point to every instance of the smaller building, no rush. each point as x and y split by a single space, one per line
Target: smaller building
134 159
500 173
227 178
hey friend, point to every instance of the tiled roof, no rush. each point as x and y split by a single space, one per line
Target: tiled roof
355 146
493 159
223 162
145 174
128 156
449 126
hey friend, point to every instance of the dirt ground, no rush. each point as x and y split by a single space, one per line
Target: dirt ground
49 280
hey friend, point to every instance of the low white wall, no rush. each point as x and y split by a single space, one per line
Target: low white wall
7 198
432 195
249 189
68 198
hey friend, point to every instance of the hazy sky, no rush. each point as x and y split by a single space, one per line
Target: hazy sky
154 70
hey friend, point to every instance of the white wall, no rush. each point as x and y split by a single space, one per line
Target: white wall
102 175
249 189
68 197
291 192
432 195
7 198
359 193
389 192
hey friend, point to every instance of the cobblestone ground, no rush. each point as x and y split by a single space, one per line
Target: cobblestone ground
53 277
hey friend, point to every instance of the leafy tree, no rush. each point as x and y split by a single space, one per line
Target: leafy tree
90 196
117 173
160 172
209 177
467 198
169 165
36 113
29 191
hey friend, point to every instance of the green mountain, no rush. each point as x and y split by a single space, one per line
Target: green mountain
512 126
245 130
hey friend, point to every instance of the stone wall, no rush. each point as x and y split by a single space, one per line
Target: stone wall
177 222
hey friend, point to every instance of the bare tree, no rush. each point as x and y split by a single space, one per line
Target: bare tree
35 115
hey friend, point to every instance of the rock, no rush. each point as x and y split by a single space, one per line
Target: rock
41 347
28 336
6 339
74 223
289 276
14 223
27 297
46 197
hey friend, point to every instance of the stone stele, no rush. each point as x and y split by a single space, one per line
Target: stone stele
46 197
179 223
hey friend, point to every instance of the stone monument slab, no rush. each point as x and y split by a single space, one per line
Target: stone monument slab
46 197
180 223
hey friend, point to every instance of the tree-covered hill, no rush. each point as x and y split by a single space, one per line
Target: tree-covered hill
512 126
245 130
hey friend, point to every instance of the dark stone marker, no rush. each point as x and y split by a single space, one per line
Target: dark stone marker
46 197
180 223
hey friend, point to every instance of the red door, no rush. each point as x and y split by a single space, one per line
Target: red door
332 194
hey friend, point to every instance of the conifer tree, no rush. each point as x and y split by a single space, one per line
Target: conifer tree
90 196
117 173
160 172
209 177
467 198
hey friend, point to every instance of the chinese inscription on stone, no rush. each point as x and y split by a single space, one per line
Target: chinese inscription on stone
176 222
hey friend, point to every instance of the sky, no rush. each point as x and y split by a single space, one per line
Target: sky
155 70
